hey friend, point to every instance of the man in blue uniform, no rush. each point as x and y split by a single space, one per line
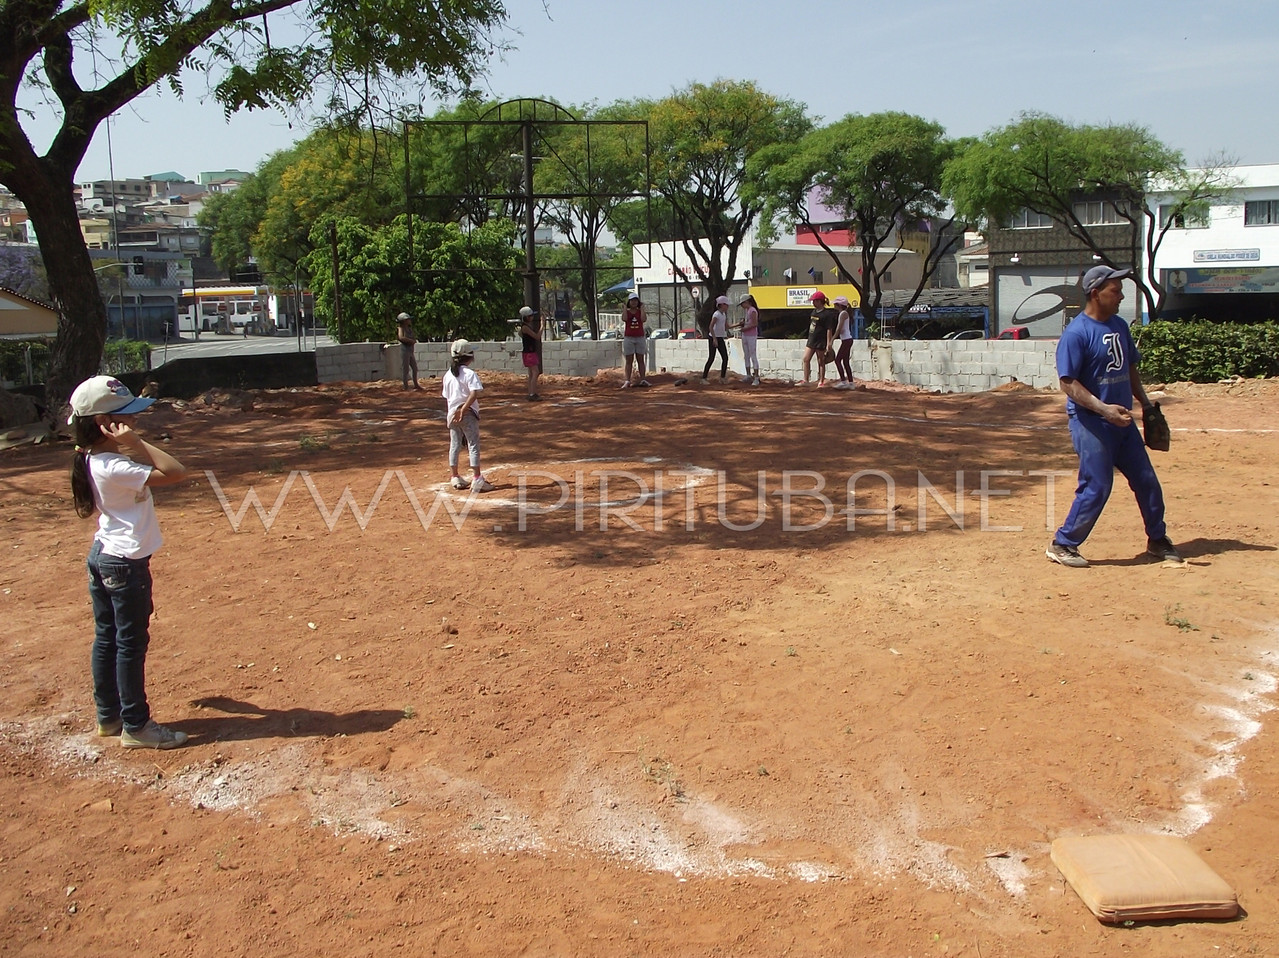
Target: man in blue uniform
1097 366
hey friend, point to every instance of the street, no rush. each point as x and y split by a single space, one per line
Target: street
213 344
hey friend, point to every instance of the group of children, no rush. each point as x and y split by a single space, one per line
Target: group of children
114 469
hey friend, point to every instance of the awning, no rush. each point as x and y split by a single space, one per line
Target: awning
619 287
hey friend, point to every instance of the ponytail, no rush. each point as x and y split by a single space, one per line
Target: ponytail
87 432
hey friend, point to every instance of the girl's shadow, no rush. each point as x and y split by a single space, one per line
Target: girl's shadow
243 720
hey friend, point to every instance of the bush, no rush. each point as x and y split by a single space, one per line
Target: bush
126 356
1200 351
120 356
13 360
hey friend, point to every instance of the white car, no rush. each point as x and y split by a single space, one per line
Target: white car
610 334
660 334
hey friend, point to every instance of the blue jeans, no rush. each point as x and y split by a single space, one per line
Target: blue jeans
1102 449
120 590
467 434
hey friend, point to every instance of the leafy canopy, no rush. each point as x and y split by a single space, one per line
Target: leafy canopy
470 285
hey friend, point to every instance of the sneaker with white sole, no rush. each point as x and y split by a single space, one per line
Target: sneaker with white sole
480 484
457 482
153 735
1066 555
1163 550
110 729
755 381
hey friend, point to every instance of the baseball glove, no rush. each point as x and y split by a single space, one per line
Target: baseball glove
1154 427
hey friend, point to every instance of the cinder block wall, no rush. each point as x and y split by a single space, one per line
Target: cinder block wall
969 365
366 362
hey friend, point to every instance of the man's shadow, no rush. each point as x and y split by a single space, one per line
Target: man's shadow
243 720
1192 549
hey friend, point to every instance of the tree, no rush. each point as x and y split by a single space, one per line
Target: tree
882 173
352 48
1046 165
470 285
22 272
589 171
700 140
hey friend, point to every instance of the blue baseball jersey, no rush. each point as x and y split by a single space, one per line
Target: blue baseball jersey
1099 355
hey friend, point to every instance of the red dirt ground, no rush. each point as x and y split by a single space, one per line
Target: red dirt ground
666 737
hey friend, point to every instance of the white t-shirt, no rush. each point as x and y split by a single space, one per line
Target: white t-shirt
719 324
457 388
127 524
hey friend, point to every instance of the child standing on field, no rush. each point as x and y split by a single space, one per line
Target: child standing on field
113 471
461 391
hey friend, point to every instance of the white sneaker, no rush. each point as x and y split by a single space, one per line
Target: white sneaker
481 485
755 381
459 483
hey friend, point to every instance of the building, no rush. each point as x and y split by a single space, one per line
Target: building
22 318
782 277
1035 266
1225 265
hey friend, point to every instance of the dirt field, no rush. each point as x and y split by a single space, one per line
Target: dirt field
737 729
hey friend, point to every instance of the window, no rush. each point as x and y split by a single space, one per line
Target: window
1097 213
1029 220
1261 213
1181 220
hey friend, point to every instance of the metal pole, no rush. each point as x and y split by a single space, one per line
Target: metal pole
532 288
337 284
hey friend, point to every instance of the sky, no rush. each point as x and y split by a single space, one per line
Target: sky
1201 76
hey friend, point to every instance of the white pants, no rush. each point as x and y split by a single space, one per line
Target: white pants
749 354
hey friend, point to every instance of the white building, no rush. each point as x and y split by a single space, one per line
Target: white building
1225 266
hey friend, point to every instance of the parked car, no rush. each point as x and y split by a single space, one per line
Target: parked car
1014 332
610 334
660 334
966 334
688 334
581 334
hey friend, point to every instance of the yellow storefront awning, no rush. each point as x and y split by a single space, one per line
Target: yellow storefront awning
800 297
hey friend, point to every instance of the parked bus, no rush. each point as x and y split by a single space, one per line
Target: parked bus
225 309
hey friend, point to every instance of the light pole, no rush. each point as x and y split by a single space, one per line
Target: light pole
119 291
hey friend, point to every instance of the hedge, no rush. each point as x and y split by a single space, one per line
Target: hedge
1200 351
120 356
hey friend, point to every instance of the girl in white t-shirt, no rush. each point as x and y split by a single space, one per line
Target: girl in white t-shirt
461 390
113 472
844 336
750 337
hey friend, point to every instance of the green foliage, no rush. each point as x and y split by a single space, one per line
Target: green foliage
458 283
125 356
700 140
355 56
119 356
1043 164
880 172
1199 351
13 360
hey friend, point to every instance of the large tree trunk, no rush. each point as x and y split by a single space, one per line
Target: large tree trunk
47 192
